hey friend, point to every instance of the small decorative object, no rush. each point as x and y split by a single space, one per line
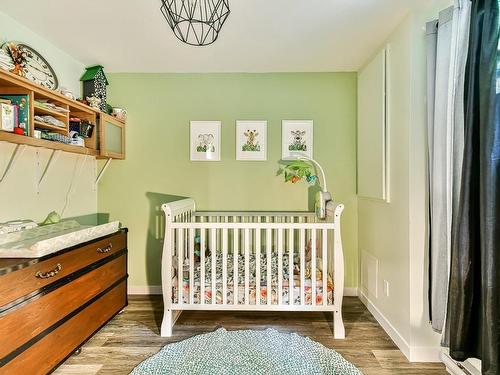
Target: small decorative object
251 140
94 102
86 129
30 64
296 138
298 170
94 84
205 140
196 22
301 168
67 93
7 117
120 113
52 218
109 109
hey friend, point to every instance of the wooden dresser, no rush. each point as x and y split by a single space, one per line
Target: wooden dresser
50 306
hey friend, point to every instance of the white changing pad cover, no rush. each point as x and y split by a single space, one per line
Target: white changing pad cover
44 240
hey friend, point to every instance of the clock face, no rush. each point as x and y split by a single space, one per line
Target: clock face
34 66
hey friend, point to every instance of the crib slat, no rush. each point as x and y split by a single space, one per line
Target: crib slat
290 266
247 266
224 265
202 265
191 265
268 259
257 266
280 266
325 266
180 270
313 266
235 264
213 250
302 265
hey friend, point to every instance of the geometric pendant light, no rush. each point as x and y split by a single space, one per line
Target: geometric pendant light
196 22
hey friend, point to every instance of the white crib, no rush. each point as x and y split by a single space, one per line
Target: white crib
241 261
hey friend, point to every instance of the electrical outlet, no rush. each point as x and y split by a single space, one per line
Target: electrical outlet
386 288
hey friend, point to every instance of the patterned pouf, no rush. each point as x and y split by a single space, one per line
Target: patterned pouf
246 352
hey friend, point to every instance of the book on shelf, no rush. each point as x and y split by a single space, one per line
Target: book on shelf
23 110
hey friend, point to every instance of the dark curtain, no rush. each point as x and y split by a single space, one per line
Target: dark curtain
474 294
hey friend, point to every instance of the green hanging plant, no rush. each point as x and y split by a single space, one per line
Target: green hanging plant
298 170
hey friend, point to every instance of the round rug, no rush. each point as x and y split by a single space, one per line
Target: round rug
246 352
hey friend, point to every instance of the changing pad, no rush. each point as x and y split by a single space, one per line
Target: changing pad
44 240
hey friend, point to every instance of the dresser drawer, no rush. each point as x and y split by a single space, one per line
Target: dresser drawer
52 349
22 324
32 280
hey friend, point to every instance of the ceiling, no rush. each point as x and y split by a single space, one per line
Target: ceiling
259 35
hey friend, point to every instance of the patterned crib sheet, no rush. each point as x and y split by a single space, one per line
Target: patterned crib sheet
264 290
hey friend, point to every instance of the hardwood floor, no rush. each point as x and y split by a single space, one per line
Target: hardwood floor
134 335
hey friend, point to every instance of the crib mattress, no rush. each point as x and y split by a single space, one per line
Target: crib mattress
253 292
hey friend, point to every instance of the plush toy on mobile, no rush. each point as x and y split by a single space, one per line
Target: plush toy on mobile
300 168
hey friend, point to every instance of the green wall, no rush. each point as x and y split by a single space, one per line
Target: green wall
157 166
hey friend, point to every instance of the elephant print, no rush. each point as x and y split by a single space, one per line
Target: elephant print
205 143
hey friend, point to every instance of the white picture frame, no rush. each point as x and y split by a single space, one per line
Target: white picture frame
251 140
203 134
297 138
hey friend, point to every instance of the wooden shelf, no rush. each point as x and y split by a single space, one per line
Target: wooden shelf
43 125
47 111
8 79
11 84
35 142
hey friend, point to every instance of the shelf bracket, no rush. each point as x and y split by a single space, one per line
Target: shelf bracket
54 156
18 151
101 173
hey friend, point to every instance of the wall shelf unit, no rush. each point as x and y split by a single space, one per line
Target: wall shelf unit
97 145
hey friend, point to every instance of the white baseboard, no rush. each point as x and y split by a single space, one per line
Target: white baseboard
156 289
413 353
144 290
393 333
351 292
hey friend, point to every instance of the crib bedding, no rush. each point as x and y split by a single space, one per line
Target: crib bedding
253 292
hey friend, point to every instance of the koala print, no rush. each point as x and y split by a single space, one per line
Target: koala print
298 141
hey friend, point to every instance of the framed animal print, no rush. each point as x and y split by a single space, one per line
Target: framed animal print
205 140
296 138
251 140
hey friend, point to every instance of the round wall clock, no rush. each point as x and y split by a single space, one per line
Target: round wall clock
30 64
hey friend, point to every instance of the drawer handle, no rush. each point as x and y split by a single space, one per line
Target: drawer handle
46 275
105 249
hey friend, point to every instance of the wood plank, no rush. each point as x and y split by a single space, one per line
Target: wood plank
48 111
134 335
11 80
41 357
35 142
23 323
21 282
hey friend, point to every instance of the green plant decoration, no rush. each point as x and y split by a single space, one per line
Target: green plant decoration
298 170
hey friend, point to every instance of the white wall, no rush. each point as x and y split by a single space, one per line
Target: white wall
69 183
394 234
67 69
